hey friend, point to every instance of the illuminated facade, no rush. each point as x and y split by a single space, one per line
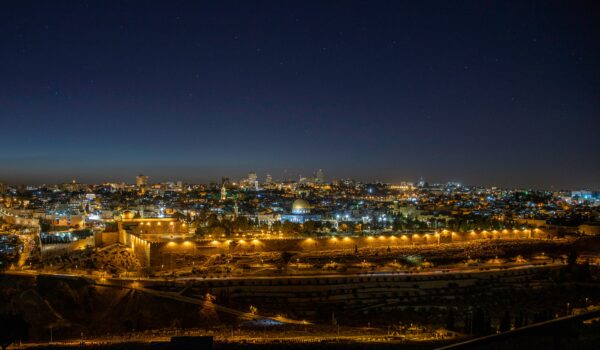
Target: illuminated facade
300 213
223 193
141 180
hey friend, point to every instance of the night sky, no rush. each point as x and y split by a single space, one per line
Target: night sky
486 92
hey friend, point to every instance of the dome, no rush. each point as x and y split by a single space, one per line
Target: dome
300 206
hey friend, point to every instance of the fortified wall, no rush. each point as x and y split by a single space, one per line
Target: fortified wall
153 245
13 217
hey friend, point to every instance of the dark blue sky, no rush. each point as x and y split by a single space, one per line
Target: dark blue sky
485 92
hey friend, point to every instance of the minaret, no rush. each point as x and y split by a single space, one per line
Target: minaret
236 210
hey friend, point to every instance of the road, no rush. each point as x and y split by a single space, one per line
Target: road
431 272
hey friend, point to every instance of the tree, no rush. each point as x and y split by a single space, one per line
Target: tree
44 226
212 220
286 257
289 227
13 329
241 223
218 231
309 227
276 226
200 231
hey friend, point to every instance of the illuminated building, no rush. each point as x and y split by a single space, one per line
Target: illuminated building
300 213
223 193
141 180
251 181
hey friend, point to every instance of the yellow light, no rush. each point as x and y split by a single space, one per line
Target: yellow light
255 241
171 244
346 239
382 237
370 238
242 241
215 242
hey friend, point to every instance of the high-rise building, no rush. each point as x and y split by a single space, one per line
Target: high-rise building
320 176
225 181
252 180
141 180
269 179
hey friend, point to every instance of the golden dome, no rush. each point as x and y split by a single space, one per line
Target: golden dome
300 206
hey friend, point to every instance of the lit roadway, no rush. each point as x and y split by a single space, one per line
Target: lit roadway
247 338
458 269
551 328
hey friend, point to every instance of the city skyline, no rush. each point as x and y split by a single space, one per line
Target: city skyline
482 93
267 177
300 174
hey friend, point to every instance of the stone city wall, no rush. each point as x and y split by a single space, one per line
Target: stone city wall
174 249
